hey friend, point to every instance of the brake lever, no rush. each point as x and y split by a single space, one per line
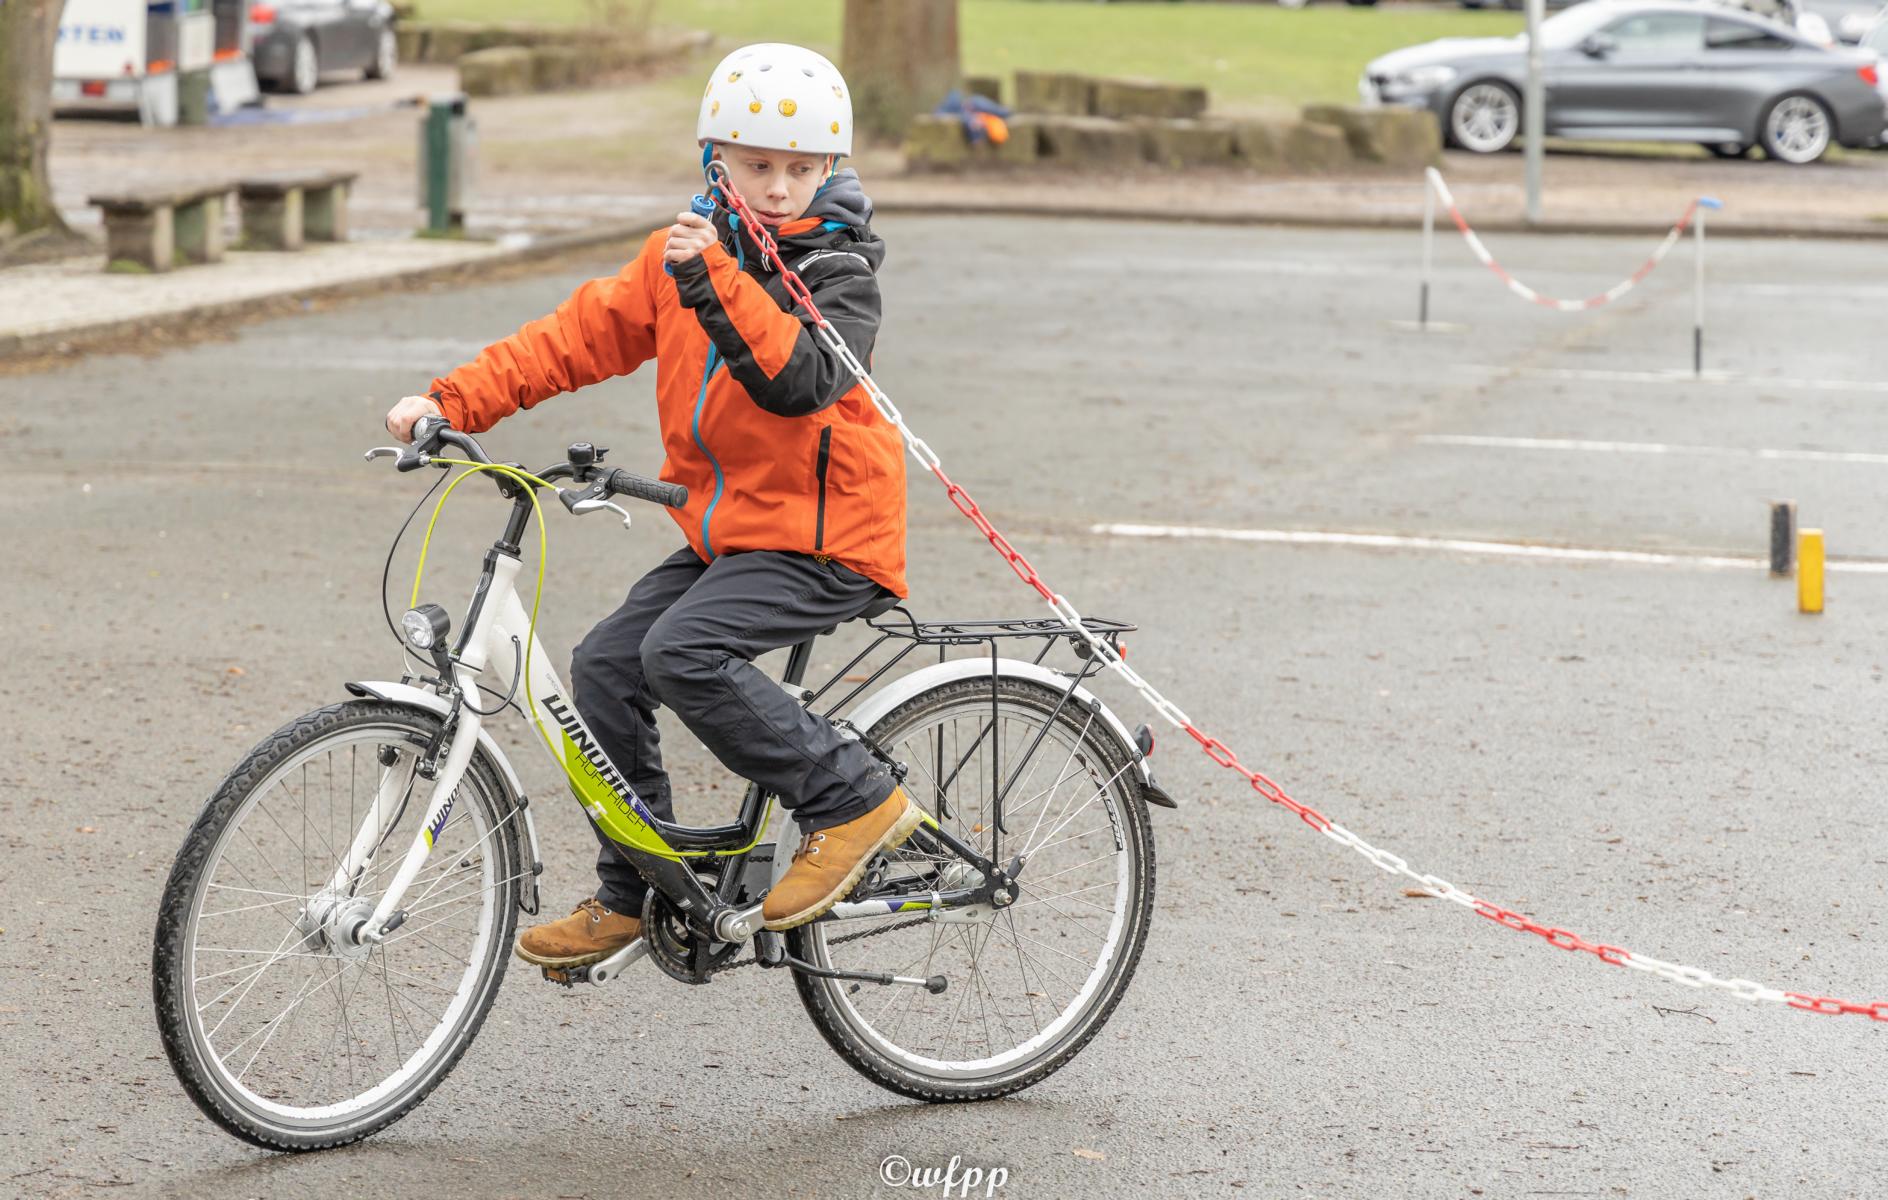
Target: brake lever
584 506
590 500
408 459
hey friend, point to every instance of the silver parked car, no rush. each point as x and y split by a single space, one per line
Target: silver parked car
298 40
1632 70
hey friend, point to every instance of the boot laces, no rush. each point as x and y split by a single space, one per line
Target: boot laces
809 844
594 907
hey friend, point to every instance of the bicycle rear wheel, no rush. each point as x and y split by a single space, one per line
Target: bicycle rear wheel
1030 984
283 1031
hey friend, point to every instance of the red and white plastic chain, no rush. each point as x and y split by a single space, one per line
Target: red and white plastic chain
1487 258
1217 750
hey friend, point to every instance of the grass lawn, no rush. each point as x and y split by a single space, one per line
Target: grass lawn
1250 55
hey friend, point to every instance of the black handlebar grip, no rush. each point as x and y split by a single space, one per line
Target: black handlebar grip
627 483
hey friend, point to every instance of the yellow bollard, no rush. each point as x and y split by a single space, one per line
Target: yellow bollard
1809 571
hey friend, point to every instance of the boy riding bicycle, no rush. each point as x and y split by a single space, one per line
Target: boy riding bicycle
796 512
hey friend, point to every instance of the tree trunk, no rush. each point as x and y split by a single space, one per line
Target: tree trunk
27 32
900 58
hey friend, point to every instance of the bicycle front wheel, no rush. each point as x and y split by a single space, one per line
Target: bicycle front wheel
283 1030
1027 985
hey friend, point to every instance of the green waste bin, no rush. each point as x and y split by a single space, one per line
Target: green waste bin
193 98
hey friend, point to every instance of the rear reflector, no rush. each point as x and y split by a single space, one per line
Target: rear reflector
92 87
1869 74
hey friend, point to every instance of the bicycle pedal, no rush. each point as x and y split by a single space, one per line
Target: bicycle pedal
568 977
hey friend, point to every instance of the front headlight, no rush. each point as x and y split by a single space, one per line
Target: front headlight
424 627
1427 77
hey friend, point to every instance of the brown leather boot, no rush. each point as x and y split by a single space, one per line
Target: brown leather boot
829 861
590 934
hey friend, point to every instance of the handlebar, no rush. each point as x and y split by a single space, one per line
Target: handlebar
625 483
432 433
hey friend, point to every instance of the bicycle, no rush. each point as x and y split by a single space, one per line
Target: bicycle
339 917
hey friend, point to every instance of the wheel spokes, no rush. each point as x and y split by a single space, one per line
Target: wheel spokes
1015 975
319 1021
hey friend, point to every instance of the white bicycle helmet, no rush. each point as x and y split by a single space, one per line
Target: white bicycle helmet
777 97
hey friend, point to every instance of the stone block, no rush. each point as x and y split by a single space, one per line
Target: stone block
448 41
324 212
273 222
1054 92
500 71
146 240
1147 98
936 143
557 68
1089 141
1310 146
987 86
1025 143
414 42
1186 143
198 226
1397 137
1287 144
1259 142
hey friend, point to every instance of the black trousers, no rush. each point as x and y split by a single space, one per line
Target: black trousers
686 637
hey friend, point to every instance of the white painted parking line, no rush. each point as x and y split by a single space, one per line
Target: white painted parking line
1593 447
1521 550
1600 375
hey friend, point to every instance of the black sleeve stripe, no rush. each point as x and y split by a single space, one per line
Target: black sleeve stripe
814 377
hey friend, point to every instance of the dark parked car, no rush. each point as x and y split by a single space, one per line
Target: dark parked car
298 40
1631 70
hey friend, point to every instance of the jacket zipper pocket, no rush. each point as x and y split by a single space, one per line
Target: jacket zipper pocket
819 471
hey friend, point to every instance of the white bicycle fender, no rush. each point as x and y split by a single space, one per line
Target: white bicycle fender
406 693
880 703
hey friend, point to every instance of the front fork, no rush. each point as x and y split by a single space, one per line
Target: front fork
397 780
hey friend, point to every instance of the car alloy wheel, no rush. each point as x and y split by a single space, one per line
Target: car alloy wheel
1484 118
306 73
386 56
1796 130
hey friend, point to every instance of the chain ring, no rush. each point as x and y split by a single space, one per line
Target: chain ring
672 942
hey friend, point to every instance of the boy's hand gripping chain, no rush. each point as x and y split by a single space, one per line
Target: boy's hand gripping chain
1215 749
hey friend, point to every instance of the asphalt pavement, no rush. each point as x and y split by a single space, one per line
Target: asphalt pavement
1649 745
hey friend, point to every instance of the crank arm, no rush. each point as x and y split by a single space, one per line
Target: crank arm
602 971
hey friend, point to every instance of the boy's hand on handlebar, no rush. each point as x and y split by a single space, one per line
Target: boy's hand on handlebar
688 237
400 417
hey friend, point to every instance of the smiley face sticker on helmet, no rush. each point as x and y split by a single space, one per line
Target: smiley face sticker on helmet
794 99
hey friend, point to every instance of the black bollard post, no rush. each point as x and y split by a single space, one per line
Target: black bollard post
1782 537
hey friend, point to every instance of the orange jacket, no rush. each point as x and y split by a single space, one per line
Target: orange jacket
779 447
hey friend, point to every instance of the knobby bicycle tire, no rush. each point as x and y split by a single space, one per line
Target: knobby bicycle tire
171 955
818 995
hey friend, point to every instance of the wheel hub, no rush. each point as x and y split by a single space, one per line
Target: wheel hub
337 923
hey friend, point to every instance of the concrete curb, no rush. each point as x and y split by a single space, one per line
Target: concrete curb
1720 228
66 341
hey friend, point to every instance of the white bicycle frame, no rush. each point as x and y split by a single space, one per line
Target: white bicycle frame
501 629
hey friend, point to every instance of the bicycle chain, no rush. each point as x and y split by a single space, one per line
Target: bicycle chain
751 959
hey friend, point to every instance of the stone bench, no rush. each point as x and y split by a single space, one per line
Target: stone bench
156 228
282 211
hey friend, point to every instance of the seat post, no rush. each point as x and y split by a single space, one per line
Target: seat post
796 663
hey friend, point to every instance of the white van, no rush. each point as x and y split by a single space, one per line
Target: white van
125 55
